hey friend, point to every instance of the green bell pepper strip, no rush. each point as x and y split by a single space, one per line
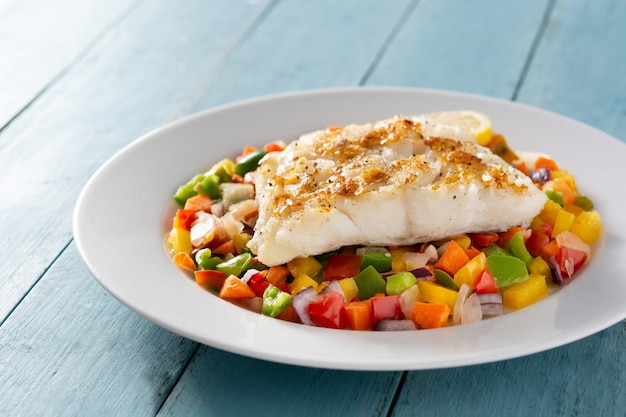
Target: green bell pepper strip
236 265
249 162
369 283
210 185
275 301
496 250
381 261
204 260
518 248
583 202
445 280
187 190
398 283
555 196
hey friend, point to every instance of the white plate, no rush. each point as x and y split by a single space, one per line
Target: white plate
126 208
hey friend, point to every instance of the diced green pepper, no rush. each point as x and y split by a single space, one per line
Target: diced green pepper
204 260
210 186
496 250
381 261
583 202
187 190
275 301
398 283
506 270
236 265
518 248
445 280
555 196
249 162
369 282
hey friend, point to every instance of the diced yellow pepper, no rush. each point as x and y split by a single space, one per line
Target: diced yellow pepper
226 164
436 294
563 222
574 209
308 266
179 240
540 267
301 282
566 176
464 241
348 285
322 285
398 264
549 212
587 226
525 293
468 273
240 240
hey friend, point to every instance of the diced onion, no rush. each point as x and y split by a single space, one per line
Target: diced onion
408 298
472 311
301 302
394 325
464 292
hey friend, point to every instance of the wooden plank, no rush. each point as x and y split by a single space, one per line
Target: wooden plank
579 67
72 349
476 46
224 384
302 45
586 378
132 82
37 47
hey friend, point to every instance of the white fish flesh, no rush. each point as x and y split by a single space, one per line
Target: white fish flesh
387 183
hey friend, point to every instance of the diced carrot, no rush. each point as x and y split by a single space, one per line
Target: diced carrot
235 288
551 249
209 278
334 128
183 260
543 162
247 150
289 314
225 248
430 316
184 218
522 167
472 252
273 147
563 186
276 274
452 259
199 202
359 315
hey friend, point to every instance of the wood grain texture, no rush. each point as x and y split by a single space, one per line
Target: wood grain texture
132 82
473 46
303 45
579 67
75 350
40 39
585 378
223 384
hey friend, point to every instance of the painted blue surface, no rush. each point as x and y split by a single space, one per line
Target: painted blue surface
119 70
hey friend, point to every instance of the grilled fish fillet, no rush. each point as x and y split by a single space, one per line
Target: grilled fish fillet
392 182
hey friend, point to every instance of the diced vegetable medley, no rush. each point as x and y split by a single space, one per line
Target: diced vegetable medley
459 280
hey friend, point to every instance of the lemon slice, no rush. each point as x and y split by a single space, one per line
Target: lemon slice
468 121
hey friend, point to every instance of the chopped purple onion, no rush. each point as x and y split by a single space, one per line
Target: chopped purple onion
493 298
540 176
422 273
557 276
492 309
390 325
301 302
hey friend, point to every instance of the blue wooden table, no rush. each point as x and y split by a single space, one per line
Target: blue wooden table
79 80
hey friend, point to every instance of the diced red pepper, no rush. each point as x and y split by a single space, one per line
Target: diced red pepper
536 242
485 284
184 218
386 308
482 240
258 283
570 260
326 310
342 266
